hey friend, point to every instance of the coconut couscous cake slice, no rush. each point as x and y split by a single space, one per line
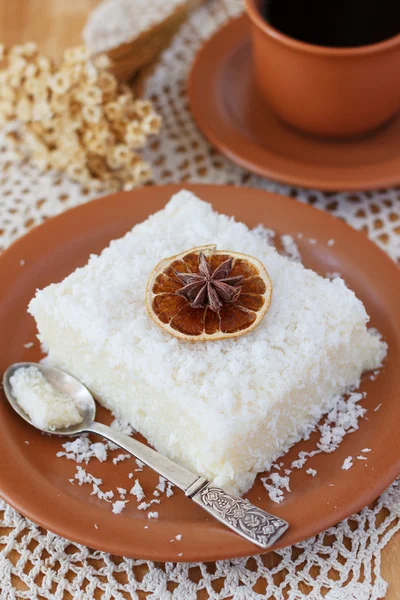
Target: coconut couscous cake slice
225 408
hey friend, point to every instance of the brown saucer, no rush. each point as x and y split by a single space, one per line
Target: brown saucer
236 119
36 483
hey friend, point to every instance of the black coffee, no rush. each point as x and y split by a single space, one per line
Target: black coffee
335 23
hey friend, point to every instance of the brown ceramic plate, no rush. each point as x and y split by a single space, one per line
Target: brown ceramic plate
36 483
236 119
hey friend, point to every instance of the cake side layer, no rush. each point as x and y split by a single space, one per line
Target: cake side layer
226 409
221 445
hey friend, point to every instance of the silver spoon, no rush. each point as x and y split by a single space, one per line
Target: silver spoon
249 521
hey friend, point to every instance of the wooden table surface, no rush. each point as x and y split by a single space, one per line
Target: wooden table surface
56 24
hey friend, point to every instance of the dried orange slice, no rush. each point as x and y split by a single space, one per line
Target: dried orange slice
208 294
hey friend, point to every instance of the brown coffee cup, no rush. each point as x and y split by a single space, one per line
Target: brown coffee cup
325 91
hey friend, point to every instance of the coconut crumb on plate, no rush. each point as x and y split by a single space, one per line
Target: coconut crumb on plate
137 491
122 492
275 485
119 506
312 472
348 463
162 482
120 458
170 489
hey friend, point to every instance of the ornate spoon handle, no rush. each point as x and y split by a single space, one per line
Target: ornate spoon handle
249 521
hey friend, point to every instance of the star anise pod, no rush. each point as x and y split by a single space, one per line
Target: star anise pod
210 288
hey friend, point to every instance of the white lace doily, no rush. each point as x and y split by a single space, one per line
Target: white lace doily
340 564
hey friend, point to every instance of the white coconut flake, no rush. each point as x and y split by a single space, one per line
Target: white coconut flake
170 489
152 515
361 457
137 491
83 450
119 506
122 492
377 407
303 457
312 472
144 506
29 345
276 487
366 450
96 526
161 484
107 496
83 477
341 420
331 242
21 262
121 458
178 537
140 465
348 463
